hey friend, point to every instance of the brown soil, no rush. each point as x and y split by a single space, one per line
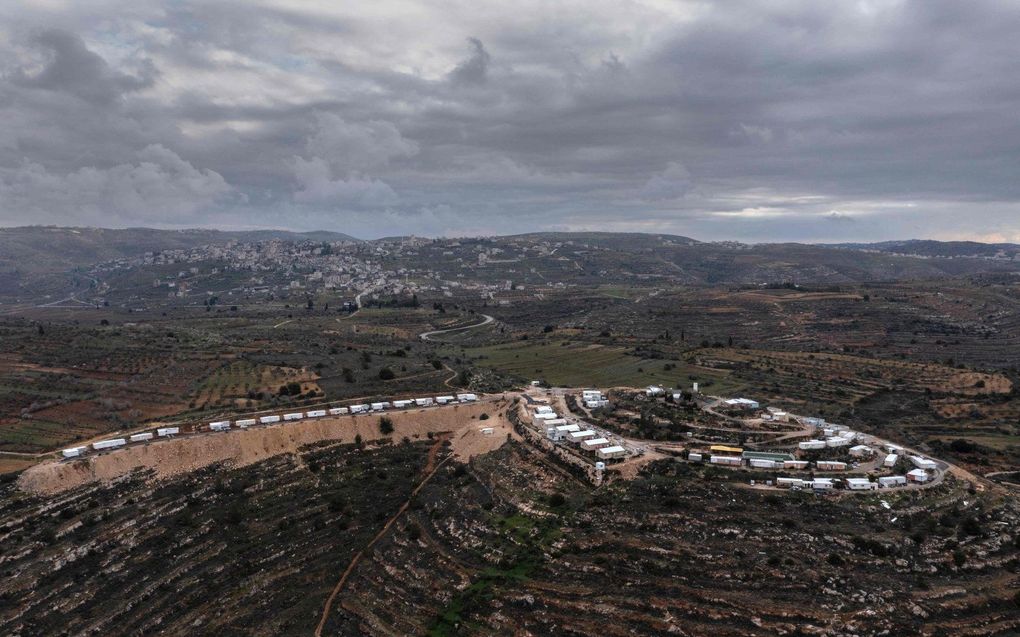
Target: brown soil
244 447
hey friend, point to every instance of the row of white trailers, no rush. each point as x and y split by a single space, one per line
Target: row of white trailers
852 484
243 423
586 439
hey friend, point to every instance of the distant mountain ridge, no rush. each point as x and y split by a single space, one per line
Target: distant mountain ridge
932 248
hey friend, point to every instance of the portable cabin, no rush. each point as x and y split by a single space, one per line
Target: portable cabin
567 429
764 463
377 406
578 436
543 409
725 449
402 404
591 394
141 437
592 444
918 475
860 451
109 444
729 461
811 444
424 402
338 411
297 415
168 431
694 457
596 403
837 442
546 416
74 452
892 481
467 398
487 431
247 422
219 426
653 390
443 400
923 463
789 482
795 464
820 484
830 465
607 453
316 413
554 422
860 484
265 420
891 460
358 409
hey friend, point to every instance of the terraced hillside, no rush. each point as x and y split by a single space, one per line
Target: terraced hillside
510 544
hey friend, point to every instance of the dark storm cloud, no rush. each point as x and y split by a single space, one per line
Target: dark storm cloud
746 120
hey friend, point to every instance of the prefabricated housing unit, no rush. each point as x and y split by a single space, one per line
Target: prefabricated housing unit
764 463
555 422
247 422
653 390
795 464
359 409
109 444
891 460
442 400
860 451
811 444
219 426
265 420
694 457
578 436
729 461
402 404
467 398
423 402
168 431
73 452
742 403
297 415
892 481
377 406
141 437
819 484
923 463
543 409
860 484
918 475
338 411
606 453
591 394
546 416
316 413
789 482
837 442
564 430
594 443
830 465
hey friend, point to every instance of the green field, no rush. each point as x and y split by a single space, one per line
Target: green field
570 364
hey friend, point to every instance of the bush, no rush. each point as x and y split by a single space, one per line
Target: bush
557 500
483 417
386 374
385 425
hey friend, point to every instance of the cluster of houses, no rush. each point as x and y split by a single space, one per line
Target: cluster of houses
585 439
594 399
244 423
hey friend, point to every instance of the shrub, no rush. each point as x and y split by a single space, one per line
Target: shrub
557 500
386 374
385 425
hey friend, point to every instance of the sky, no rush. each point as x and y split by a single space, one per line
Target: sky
755 121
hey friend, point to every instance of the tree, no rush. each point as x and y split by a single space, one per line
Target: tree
386 374
385 425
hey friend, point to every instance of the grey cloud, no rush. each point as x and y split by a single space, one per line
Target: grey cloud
72 68
475 69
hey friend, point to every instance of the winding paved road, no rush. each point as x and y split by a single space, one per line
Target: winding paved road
427 336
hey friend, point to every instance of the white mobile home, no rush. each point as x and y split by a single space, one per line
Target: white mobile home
578 436
860 484
607 453
811 444
265 420
543 409
219 426
729 461
918 475
424 402
402 404
546 416
892 481
764 463
891 460
247 422
316 413
830 465
442 400
377 406
923 463
109 444
837 442
860 451
141 437
594 443
554 422
338 411
819 484
73 452
297 415
789 482
467 398
168 431
795 464
564 430
359 409
741 403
